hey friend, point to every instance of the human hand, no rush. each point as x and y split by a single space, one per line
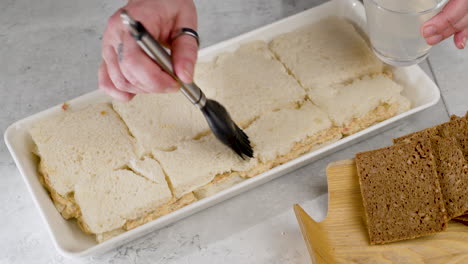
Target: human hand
452 20
126 70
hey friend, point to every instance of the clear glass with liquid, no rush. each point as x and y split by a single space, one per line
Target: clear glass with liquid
394 28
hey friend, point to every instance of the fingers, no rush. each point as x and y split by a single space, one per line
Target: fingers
141 71
460 38
127 69
452 19
185 48
184 56
114 72
106 85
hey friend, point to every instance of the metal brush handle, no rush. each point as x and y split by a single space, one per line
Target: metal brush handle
157 52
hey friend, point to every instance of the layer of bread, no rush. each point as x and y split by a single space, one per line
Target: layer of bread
451 165
458 129
160 211
278 137
109 199
74 146
325 53
195 163
351 104
248 82
161 121
320 139
219 183
275 134
310 143
171 206
378 114
146 168
65 205
153 155
401 193
452 169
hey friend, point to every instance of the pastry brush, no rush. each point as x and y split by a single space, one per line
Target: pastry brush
216 115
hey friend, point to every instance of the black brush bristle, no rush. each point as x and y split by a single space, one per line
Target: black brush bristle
226 130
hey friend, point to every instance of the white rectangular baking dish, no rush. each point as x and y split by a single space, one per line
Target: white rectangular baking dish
72 242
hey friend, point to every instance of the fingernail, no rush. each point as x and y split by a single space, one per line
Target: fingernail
434 39
462 44
429 31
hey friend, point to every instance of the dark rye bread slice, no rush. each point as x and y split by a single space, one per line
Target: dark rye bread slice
428 132
456 127
400 192
451 162
452 170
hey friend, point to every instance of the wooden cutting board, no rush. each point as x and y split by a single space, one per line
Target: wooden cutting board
342 236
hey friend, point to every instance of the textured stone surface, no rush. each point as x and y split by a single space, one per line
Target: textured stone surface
50 53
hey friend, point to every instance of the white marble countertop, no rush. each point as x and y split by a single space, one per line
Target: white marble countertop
50 51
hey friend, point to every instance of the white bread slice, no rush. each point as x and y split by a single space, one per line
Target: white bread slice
160 121
277 133
109 199
195 163
325 53
359 102
74 146
249 82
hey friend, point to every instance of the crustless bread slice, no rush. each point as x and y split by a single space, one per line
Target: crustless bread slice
361 103
160 121
75 145
249 82
326 53
108 200
277 133
195 163
83 155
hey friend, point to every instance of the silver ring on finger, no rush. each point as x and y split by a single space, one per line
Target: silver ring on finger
186 31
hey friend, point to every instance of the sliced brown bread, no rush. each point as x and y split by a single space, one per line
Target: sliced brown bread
452 170
427 133
449 140
400 191
457 128
435 130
